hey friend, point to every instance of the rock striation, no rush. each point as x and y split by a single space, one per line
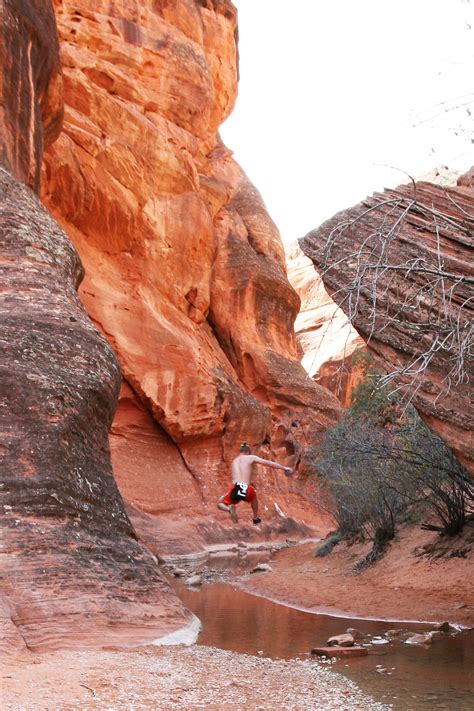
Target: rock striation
185 271
326 340
71 570
31 106
400 265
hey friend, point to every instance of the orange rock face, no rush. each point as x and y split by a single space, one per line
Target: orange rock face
325 337
142 454
185 271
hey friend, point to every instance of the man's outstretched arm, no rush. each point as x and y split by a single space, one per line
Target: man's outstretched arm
269 463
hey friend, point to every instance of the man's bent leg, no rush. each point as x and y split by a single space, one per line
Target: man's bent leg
254 504
229 508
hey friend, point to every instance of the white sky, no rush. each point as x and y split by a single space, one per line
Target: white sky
330 90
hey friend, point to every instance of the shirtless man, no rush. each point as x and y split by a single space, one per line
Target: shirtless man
242 489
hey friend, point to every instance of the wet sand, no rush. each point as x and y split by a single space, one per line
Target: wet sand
401 586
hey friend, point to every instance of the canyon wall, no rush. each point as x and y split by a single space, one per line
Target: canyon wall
326 340
181 340
185 318
400 266
184 269
71 570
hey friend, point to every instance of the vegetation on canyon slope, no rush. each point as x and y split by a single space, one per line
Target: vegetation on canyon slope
381 464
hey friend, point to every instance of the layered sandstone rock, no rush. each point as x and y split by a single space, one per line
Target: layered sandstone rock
185 271
72 572
325 337
410 252
70 553
31 105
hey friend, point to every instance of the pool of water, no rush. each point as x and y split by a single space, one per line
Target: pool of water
440 676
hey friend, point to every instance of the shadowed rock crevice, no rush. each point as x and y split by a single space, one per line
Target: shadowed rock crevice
31 107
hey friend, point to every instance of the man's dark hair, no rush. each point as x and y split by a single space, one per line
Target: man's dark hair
244 448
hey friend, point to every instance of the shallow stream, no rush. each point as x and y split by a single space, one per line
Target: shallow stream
411 678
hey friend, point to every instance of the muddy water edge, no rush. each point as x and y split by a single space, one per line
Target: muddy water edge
410 678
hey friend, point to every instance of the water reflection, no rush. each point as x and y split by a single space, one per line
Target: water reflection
440 676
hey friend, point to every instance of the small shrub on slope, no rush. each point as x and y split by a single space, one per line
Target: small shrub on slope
381 460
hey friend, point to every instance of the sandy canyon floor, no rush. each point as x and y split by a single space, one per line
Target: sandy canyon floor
420 578
404 587
174 678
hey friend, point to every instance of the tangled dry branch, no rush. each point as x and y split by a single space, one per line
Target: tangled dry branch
418 293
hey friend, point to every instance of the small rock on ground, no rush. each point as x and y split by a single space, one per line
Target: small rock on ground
262 568
341 640
194 580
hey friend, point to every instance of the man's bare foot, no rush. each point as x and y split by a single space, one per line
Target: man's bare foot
230 510
233 513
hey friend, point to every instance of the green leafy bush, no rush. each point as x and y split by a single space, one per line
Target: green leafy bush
328 544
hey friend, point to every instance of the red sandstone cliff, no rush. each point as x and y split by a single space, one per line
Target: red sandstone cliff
185 271
71 570
184 275
400 264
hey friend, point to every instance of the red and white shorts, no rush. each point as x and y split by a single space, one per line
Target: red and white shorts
239 492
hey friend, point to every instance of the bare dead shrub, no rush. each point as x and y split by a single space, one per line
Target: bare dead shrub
421 295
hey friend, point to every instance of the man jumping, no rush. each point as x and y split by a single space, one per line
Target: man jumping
242 489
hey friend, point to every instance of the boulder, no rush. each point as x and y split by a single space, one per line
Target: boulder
194 580
356 634
420 639
341 640
443 627
179 572
394 634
